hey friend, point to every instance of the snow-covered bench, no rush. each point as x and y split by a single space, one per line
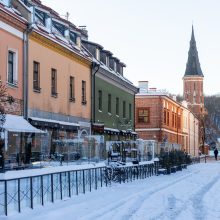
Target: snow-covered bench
162 171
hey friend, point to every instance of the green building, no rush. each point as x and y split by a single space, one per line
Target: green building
113 96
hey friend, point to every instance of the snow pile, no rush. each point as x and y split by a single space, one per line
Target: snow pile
41 171
190 194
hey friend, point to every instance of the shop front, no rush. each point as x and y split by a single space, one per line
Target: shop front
20 144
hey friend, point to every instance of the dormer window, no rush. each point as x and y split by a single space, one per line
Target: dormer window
107 61
73 37
40 17
61 28
111 63
103 57
118 68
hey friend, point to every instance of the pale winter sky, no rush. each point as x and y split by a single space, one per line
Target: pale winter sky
152 36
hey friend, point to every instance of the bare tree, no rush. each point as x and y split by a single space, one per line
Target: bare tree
3 99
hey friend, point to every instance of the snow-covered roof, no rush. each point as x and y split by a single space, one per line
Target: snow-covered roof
54 121
111 129
17 123
149 92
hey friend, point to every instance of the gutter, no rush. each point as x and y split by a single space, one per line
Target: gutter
25 70
95 66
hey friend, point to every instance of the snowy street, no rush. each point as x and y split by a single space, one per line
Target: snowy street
190 194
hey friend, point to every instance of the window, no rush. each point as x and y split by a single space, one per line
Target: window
100 100
72 89
12 67
36 76
124 109
165 116
143 115
109 103
130 111
179 121
83 92
173 119
117 106
168 117
54 82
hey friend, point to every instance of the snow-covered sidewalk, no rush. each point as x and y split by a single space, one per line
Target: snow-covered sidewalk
190 194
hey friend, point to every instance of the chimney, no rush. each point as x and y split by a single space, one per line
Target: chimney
143 85
174 97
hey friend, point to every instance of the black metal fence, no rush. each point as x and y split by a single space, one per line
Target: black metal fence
20 193
122 174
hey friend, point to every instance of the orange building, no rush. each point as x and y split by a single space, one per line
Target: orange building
12 28
59 76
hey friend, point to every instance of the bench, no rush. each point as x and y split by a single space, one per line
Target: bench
162 171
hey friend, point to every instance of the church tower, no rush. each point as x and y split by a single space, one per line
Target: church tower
193 81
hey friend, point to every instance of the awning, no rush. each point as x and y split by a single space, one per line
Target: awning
43 122
17 123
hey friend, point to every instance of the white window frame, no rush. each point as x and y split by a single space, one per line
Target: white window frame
15 66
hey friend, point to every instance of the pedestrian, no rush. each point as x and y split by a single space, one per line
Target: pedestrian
216 153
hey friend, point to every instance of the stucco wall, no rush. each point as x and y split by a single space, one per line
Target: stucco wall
10 42
111 120
66 67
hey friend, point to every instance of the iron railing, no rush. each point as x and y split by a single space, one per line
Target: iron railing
29 192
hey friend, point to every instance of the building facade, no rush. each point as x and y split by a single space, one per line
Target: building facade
12 29
160 117
15 130
59 76
113 96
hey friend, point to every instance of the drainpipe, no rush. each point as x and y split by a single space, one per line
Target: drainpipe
94 67
25 74
134 106
25 71
159 137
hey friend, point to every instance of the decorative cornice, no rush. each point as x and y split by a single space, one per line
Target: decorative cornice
58 48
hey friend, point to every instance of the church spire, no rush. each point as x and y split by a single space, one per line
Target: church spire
193 66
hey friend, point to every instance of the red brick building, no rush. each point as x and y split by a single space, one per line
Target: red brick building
160 117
